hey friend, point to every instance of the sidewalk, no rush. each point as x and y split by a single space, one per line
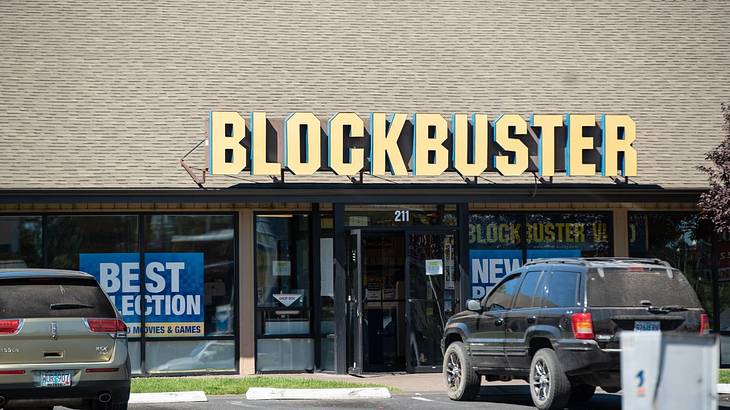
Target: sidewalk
405 382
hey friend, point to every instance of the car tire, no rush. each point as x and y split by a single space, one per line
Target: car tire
581 393
549 386
462 382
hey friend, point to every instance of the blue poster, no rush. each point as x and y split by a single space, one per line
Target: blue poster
488 266
174 285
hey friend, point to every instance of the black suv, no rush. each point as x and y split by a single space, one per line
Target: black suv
555 323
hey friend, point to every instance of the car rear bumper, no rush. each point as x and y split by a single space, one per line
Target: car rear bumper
585 356
27 393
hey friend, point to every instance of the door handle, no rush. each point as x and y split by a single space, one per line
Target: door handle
531 319
498 321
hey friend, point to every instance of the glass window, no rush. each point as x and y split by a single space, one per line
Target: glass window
619 287
680 239
106 246
327 294
284 354
495 249
174 356
501 298
499 242
284 322
283 284
189 270
528 289
134 346
69 236
562 290
205 246
282 261
60 297
20 242
567 235
724 307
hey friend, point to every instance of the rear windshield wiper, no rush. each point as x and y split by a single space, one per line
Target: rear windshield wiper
60 306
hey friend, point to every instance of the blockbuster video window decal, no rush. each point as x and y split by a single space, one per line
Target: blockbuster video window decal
426 144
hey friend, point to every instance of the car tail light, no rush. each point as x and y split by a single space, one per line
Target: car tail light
10 326
106 325
582 325
102 370
3 372
704 324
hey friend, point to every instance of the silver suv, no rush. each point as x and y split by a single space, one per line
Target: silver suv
62 342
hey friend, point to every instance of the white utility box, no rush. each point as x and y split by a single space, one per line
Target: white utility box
660 371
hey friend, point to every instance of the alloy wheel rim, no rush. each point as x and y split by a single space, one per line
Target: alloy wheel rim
541 380
453 371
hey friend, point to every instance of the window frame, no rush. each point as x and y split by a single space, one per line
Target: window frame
542 273
307 308
516 275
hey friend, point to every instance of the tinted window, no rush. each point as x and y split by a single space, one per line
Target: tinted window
53 298
526 295
563 289
621 288
501 298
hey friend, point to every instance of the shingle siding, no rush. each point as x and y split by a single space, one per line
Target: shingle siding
111 94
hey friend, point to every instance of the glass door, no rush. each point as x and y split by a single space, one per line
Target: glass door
432 296
383 274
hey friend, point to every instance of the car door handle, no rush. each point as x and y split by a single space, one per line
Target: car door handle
498 322
532 319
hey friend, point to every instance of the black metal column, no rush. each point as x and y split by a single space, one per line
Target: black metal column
340 256
316 285
462 215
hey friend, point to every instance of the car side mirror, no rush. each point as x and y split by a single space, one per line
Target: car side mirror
473 305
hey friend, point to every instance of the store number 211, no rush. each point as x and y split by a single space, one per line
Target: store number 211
402 215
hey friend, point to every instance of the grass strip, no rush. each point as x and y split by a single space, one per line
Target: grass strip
725 376
235 385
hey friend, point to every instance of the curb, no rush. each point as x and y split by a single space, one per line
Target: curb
264 393
172 397
723 388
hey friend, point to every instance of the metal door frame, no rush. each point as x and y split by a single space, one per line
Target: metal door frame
355 332
355 336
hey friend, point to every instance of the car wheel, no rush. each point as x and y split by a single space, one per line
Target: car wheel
581 393
549 386
462 381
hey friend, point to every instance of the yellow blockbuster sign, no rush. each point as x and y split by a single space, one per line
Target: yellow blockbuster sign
423 144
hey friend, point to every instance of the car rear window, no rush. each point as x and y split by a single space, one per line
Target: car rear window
53 297
626 288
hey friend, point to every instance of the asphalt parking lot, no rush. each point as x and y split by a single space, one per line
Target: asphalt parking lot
509 397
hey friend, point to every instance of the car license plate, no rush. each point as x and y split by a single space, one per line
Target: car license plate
55 379
647 326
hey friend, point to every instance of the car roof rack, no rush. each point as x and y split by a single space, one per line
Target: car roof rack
571 261
601 261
